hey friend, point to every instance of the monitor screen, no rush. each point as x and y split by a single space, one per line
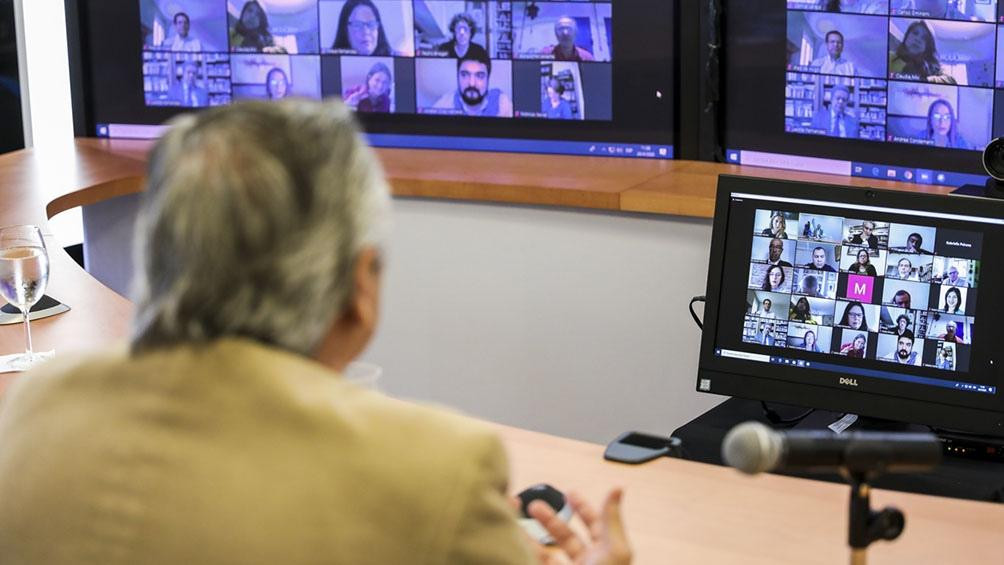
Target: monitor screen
888 295
541 76
894 89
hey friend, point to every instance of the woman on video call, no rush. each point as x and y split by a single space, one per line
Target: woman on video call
360 29
917 56
856 348
863 265
942 127
854 317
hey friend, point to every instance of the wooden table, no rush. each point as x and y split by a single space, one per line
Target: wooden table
677 511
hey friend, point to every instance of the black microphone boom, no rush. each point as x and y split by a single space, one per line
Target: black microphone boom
754 448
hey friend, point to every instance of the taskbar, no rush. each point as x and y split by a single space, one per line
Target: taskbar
404 141
855 371
850 168
508 145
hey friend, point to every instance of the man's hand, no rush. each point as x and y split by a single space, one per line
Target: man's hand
607 543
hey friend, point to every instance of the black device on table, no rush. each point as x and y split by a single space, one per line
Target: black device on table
894 343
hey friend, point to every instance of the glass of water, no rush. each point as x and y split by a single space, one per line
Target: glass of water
24 273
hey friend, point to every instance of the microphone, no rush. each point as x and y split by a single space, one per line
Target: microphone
754 448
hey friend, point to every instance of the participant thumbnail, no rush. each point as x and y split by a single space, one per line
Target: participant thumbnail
902 349
940 115
955 272
774 223
464 87
183 25
862 261
909 267
773 251
809 338
952 299
852 343
272 26
906 294
837 44
979 10
562 31
897 321
768 332
816 227
772 278
819 284
964 55
945 357
959 243
811 310
449 28
271 77
835 106
368 84
562 95
189 80
378 28
763 304
842 6
906 238
816 256
950 327
857 316
866 233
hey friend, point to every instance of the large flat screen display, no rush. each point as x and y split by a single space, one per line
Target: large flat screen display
593 77
896 89
887 295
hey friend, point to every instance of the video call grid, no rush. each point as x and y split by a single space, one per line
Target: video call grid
890 106
866 289
560 83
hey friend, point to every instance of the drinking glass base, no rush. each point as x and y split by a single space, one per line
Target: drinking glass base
23 361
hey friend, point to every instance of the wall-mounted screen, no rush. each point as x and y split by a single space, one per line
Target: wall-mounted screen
895 89
592 77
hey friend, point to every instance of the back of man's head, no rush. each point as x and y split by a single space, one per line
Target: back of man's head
251 223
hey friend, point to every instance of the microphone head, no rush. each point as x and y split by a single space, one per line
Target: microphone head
752 448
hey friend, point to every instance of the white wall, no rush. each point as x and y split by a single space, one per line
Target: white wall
564 321
44 71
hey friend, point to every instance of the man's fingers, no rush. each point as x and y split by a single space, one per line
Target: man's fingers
559 530
588 514
613 528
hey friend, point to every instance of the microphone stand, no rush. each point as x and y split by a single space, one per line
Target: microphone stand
866 525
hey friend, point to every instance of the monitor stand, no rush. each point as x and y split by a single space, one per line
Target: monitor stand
956 477
991 189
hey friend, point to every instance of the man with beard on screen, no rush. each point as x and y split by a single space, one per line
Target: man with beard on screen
473 96
904 352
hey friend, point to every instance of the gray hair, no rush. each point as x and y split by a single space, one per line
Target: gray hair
252 222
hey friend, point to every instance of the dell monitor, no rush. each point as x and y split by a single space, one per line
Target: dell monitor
891 89
574 77
876 303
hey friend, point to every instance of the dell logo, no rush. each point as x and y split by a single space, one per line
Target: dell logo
848 382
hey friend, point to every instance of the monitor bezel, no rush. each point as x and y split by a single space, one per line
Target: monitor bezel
833 398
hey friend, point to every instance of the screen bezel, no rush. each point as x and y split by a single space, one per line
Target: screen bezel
757 387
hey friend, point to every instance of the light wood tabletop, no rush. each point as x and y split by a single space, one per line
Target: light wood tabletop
677 511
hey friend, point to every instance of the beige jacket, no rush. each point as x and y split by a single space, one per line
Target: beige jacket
239 453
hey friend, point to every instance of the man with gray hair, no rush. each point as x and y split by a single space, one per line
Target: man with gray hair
837 120
225 434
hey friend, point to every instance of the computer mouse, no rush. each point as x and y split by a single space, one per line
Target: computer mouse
554 498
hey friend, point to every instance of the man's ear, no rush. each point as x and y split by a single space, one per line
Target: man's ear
365 302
